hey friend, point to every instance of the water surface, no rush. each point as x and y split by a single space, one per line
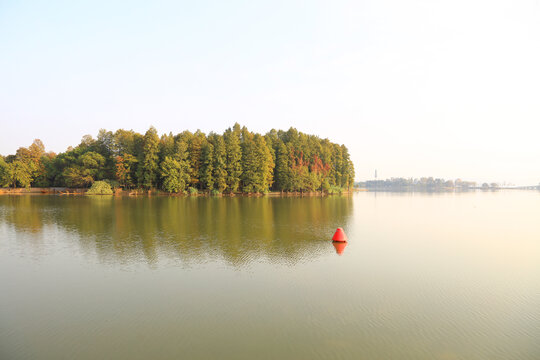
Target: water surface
424 276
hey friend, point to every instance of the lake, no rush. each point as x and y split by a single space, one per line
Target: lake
423 276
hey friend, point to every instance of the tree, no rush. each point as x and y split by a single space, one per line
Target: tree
30 166
105 143
219 166
234 158
87 141
75 176
20 173
283 168
175 175
170 171
319 172
36 152
265 164
5 173
195 145
166 146
94 163
347 168
149 159
207 166
88 168
257 163
100 188
249 177
299 173
124 172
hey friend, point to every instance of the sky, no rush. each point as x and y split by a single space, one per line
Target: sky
413 88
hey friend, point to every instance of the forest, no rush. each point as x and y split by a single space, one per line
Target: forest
237 161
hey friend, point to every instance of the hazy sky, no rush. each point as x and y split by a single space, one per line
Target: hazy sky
413 88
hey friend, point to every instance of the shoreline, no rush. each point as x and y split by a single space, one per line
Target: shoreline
60 191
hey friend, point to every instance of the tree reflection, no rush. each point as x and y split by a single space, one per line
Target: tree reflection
193 230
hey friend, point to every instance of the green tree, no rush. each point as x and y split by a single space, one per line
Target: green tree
148 169
219 166
166 146
250 176
346 169
170 171
5 173
19 172
234 158
94 164
195 145
257 163
100 188
207 166
283 168
265 164
89 167
175 171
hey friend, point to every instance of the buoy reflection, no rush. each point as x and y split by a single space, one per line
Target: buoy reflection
339 246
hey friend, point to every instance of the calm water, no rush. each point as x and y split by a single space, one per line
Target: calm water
424 276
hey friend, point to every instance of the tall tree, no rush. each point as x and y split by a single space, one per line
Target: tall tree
234 158
283 168
175 170
19 172
219 166
148 170
207 167
195 145
5 173
173 179
250 175
265 164
124 169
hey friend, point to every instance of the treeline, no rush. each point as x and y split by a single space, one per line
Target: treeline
428 183
235 161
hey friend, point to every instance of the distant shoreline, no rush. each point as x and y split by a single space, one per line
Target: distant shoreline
423 189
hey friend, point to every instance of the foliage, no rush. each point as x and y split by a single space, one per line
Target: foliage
193 191
89 167
149 159
219 171
5 175
207 166
100 188
17 173
124 169
334 190
234 158
113 184
236 161
175 177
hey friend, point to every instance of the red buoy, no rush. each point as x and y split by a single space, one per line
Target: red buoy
339 246
339 235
